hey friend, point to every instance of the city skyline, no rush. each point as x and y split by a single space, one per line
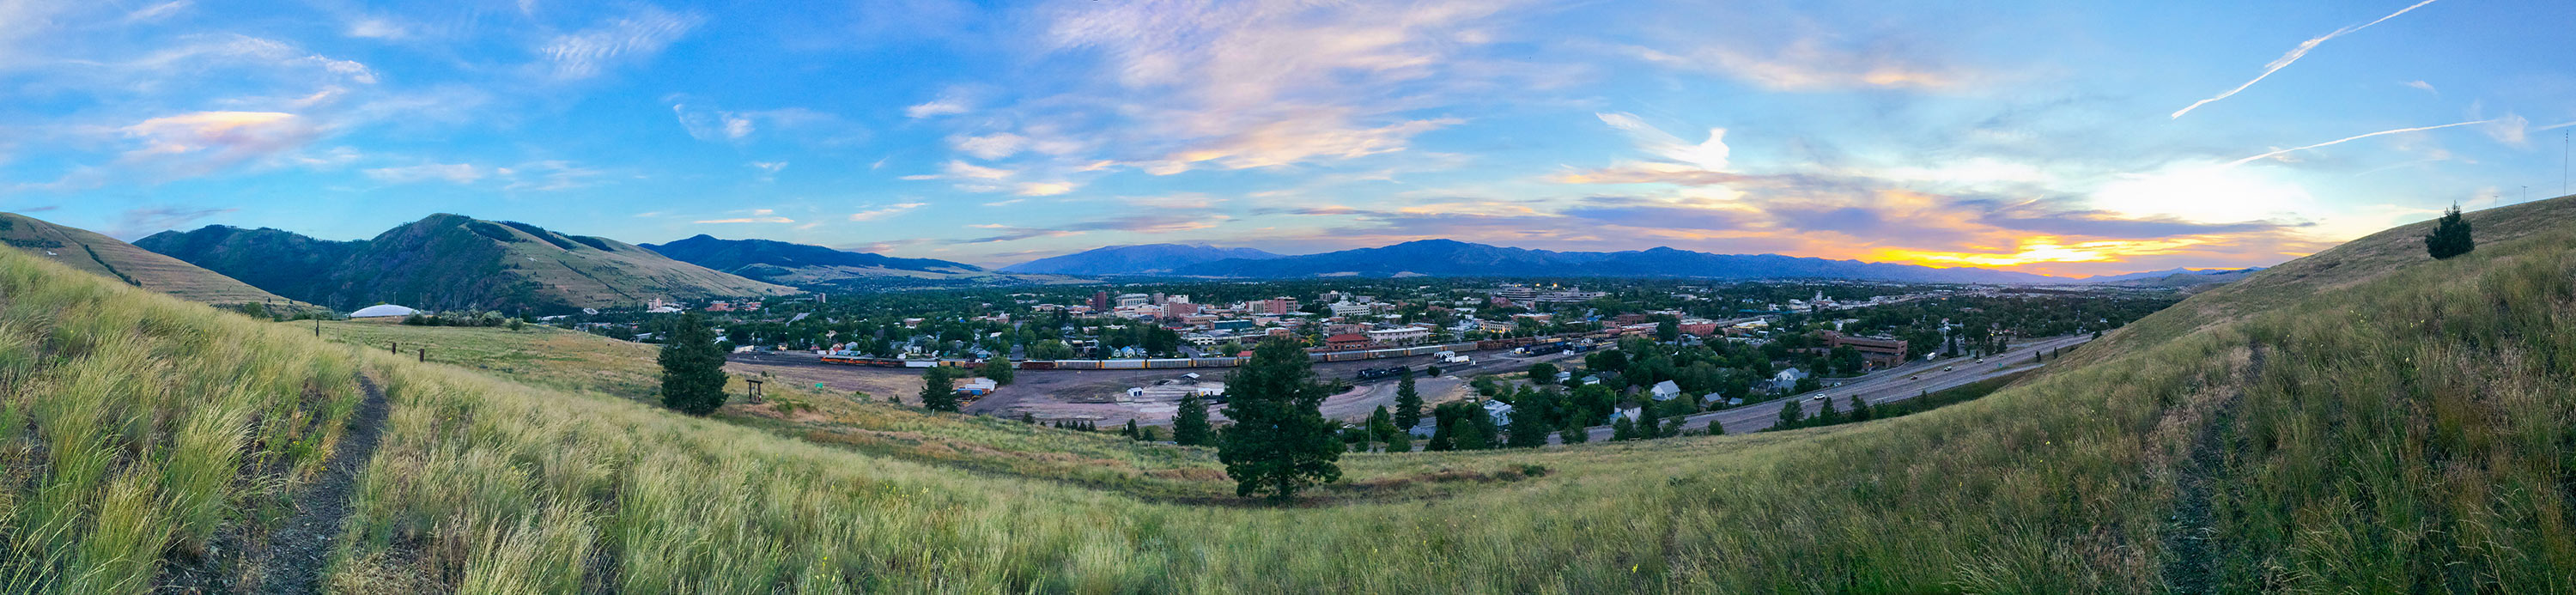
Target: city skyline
2031 137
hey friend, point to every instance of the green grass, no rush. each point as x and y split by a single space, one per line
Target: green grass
2407 431
134 428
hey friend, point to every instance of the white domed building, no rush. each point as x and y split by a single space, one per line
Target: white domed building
383 311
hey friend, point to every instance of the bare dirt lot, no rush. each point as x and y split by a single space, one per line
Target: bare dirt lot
1089 394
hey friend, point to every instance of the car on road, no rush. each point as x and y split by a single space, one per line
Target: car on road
1945 368
1816 398
1915 377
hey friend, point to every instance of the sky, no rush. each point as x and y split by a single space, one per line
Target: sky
2063 138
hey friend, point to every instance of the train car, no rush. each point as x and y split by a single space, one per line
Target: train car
1077 364
1159 364
1214 362
1345 356
1122 364
1037 364
920 363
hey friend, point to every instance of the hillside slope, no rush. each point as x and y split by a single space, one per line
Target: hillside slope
449 262
2406 430
102 255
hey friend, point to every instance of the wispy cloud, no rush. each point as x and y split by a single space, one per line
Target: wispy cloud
1810 64
2293 56
943 106
640 34
2427 87
753 216
887 211
460 173
2280 152
136 223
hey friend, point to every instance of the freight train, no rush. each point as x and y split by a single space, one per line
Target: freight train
855 359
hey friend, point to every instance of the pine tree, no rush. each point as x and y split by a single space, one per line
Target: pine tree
938 391
1028 418
1190 425
1479 433
1715 428
1408 403
1649 421
1826 415
1529 423
2450 236
1621 429
1131 432
1280 442
1789 414
1859 409
693 378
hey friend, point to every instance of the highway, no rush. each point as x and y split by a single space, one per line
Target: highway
1884 386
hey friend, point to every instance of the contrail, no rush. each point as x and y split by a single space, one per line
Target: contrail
2555 126
2294 56
2348 139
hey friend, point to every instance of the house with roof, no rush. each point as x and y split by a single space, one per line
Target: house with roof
1787 379
1666 391
1500 411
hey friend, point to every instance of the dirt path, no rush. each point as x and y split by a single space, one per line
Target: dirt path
299 551
2191 546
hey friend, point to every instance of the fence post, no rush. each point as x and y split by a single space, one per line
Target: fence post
424 355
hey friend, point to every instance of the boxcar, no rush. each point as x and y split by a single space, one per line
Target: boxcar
1122 364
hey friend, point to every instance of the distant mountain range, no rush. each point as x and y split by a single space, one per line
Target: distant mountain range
1452 258
448 262
107 257
1145 259
817 268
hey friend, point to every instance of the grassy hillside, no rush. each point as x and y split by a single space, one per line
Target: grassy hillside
143 440
105 256
452 262
2407 431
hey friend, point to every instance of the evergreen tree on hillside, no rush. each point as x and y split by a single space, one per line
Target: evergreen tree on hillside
1131 432
1280 442
938 390
1622 430
2450 236
1790 414
1650 422
693 378
1408 403
1190 425
1859 409
1529 424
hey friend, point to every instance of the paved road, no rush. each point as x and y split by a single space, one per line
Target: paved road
1884 386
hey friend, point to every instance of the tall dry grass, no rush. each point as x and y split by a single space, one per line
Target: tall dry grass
134 428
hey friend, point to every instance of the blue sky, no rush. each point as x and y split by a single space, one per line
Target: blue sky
2048 137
